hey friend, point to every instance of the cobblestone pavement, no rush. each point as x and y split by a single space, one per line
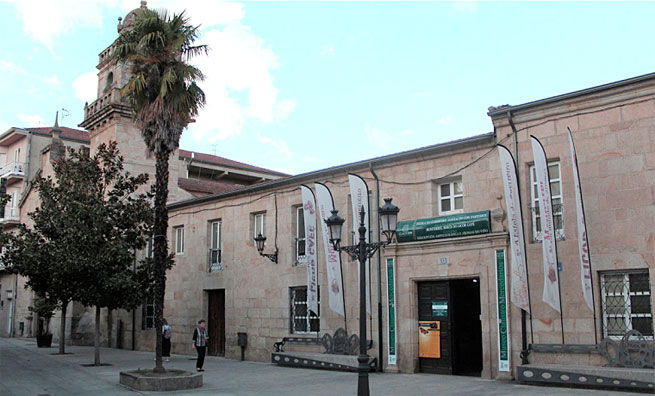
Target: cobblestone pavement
26 370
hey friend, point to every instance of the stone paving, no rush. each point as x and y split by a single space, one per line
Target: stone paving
26 370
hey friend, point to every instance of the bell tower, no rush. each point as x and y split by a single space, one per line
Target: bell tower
109 118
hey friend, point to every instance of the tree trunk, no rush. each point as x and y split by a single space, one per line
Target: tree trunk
96 339
161 248
62 328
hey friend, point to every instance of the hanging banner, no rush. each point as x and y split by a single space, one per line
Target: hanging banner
503 325
519 274
549 250
309 213
453 226
332 260
359 198
391 317
583 244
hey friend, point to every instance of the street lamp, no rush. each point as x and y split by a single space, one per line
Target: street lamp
362 251
259 241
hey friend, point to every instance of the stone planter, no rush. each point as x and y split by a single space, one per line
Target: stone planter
171 380
44 341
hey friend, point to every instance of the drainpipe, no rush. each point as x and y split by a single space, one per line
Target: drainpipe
377 205
525 351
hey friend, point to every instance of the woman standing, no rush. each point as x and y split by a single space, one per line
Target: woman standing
200 338
166 340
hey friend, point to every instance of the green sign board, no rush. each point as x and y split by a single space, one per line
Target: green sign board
439 308
391 293
459 225
501 290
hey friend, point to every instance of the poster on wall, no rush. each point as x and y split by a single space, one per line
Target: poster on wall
391 317
501 299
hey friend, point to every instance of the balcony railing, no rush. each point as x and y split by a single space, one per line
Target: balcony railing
215 260
112 96
12 170
11 214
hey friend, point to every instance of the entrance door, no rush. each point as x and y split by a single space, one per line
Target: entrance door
216 322
434 305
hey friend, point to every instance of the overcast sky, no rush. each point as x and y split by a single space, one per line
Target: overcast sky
301 86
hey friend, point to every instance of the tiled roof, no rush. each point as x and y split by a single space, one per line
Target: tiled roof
66 133
214 159
206 186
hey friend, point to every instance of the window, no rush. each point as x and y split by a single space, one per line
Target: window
303 321
556 199
259 224
179 240
148 321
626 303
451 197
300 235
150 247
17 155
215 246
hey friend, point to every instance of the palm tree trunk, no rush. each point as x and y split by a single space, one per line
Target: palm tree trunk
96 339
161 248
62 328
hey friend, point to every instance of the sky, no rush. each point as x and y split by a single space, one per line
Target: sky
302 86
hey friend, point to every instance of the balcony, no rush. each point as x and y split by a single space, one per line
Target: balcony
215 260
13 171
11 215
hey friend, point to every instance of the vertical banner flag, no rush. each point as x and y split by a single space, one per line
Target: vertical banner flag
332 260
501 300
391 317
585 260
549 252
519 278
309 214
359 198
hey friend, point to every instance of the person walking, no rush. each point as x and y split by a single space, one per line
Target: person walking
166 333
200 339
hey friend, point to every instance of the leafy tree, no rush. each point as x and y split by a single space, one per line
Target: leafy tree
90 222
164 96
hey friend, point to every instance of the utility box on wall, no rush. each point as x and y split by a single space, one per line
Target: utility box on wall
429 339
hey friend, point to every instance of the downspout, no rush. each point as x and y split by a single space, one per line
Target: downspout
134 312
525 351
377 205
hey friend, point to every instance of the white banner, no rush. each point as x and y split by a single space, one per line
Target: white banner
332 261
583 247
309 212
549 250
359 198
519 278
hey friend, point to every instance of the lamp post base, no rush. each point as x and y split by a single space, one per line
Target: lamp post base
362 379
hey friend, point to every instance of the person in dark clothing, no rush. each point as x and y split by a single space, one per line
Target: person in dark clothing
200 339
166 333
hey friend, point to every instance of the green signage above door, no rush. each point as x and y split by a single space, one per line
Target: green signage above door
459 225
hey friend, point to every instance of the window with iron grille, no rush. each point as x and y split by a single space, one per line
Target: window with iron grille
626 303
215 246
555 197
303 321
148 321
300 235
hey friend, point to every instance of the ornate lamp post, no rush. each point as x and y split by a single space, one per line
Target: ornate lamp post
363 251
260 240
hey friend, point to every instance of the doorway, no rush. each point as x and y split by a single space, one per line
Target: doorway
216 322
455 304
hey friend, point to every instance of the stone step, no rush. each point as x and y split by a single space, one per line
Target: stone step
589 376
320 361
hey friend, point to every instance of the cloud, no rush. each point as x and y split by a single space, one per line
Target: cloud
31 120
447 119
328 50
378 138
11 68
86 87
54 80
280 146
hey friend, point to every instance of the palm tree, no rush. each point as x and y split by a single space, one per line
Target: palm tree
164 96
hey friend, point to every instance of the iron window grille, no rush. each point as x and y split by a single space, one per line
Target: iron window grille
626 303
148 321
303 321
555 177
215 247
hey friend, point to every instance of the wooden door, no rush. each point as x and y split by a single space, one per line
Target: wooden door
216 322
434 304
